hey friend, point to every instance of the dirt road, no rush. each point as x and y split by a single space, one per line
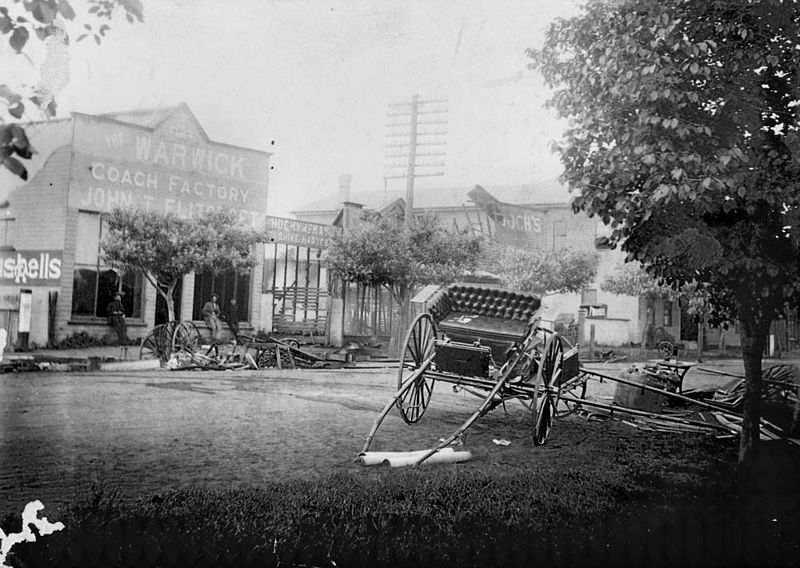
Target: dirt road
146 431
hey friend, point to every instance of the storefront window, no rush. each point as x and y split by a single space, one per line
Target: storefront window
226 285
94 285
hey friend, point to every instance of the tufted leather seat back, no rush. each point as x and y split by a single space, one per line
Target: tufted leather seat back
488 301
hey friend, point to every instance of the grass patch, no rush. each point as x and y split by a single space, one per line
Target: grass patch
648 500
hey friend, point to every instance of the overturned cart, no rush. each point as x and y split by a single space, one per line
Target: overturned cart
488 341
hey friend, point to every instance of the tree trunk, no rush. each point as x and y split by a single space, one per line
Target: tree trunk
400 321
648 311
753 335
701 330
170 305
376 305
170 301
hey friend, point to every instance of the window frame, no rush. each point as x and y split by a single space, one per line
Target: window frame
200 296
99 268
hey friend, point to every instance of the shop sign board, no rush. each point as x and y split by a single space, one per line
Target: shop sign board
30 267
301 233
514 225
121 165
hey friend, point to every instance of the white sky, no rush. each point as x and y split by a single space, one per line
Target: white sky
316 77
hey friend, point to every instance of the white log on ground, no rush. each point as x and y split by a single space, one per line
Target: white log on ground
439 457
377 458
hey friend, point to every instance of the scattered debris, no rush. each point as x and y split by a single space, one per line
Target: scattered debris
248 353
780 392
501 442
609 356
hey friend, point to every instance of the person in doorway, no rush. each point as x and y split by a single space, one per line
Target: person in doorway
232 318
116 319
211 315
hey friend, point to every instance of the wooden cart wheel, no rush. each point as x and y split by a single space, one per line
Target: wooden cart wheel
666 349
185 338
158 343
417 349
550 368
151 348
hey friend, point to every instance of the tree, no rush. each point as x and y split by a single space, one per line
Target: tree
48 22
542 272
683 136
384 255
631 279
165 247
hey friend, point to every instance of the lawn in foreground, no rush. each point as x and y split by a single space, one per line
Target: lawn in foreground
603 494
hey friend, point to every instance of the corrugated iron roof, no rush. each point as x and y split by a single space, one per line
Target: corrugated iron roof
548 191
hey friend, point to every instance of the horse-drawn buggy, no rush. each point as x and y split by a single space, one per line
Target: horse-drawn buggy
489 342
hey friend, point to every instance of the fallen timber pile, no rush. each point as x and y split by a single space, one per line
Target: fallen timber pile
249 353
721 418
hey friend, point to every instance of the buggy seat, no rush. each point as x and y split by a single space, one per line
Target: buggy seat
497 317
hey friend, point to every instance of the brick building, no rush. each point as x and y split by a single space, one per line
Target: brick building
86 165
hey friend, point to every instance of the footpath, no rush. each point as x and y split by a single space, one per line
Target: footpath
127 358
100 358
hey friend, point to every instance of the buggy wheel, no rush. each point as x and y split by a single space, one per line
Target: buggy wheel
156 344
550 369
544 420
576 388
415 360
666 349
185 338
292 342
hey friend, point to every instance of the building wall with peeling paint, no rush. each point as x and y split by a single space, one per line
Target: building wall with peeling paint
86 166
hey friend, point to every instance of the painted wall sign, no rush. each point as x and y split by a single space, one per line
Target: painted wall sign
117 165
301 233
31 268
514 225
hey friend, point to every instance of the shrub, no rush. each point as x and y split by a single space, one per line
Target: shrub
80 340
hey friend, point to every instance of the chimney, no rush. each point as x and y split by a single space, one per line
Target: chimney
344 186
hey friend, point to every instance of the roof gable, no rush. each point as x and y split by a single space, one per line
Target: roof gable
174 122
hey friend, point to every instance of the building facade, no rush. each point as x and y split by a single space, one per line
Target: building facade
535 216
88 165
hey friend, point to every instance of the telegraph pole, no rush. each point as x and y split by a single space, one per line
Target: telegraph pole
417 125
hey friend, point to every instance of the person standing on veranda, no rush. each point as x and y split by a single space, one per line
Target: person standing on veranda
116 319
211 313
232 318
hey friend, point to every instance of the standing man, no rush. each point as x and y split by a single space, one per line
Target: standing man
116 319
211 316
232 318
